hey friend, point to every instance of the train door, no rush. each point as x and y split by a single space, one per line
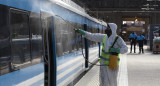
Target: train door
20 37
49 49
5 58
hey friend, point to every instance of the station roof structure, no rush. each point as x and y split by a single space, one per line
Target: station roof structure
105 6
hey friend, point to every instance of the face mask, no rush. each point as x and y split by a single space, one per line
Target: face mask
108 32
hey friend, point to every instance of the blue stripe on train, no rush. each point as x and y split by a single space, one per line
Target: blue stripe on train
67 67
30 5
21 75
69 74
39 83
29 72
63 59
68 58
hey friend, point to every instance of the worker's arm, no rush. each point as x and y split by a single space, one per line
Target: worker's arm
97 37
122 45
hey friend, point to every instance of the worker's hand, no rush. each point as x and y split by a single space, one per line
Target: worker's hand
114 50
80 31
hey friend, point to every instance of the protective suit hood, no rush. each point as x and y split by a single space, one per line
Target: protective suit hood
113 28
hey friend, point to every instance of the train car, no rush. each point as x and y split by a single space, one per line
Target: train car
151 29
38 43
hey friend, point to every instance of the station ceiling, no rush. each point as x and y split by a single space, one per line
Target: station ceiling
119 5
102 8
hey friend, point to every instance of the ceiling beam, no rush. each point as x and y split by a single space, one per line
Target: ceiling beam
124 11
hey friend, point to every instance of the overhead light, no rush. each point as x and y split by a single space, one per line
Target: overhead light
147 8
124 32
146 5
136 20
156 5
132 22
124 22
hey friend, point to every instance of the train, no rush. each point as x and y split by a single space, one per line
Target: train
38 43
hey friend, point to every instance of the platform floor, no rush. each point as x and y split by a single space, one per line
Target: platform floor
135 70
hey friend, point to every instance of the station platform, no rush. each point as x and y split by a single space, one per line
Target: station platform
135 70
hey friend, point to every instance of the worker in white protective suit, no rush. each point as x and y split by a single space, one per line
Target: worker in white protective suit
112 44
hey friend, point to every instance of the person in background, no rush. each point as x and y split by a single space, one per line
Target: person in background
132 38
112 45
140 40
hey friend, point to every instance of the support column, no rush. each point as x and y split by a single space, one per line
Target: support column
86 48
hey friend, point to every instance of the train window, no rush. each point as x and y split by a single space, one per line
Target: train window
19 22
36 37
80 40
5 58
67 40
58 36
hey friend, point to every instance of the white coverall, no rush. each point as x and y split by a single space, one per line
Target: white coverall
108 77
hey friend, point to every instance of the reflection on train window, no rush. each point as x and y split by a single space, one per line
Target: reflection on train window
36 37
5 58
20 37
